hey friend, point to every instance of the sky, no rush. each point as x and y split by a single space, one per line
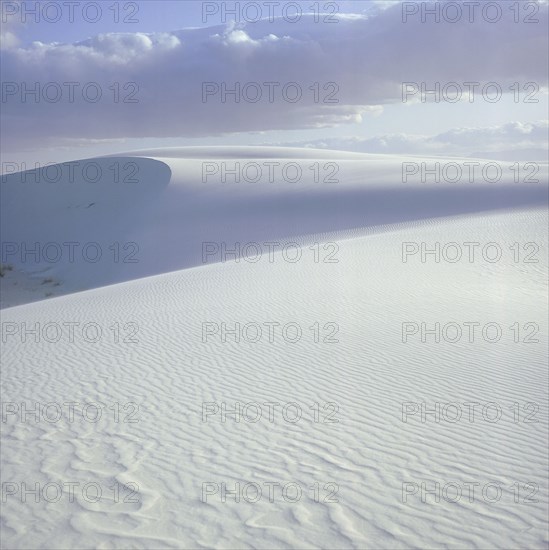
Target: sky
81 79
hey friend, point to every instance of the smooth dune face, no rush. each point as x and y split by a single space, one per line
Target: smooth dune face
132 216
360 423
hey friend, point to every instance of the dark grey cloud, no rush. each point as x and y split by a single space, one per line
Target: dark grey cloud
161 75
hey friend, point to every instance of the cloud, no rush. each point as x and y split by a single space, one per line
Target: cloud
9 28
151 84
514 139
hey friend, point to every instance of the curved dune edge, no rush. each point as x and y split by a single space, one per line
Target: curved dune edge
148 216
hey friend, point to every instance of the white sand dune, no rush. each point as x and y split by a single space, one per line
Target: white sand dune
180 367
153 215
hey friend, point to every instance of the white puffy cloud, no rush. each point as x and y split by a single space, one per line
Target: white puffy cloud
514 140
366 58
9 28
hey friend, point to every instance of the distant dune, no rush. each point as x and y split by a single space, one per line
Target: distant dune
131 216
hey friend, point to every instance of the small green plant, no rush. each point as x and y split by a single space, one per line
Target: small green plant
5 268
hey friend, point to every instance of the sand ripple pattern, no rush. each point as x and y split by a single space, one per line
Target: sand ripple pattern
170 452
